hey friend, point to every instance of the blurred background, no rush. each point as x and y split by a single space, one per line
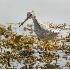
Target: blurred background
56 11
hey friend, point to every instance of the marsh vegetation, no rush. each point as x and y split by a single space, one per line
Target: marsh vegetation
26 51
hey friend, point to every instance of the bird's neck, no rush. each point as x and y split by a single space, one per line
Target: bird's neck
35 20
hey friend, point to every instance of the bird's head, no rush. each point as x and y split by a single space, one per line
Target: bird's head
29 16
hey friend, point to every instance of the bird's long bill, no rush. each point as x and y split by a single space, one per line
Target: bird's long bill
24 20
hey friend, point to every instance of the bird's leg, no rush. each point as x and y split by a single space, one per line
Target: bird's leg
0 37
55 44
46 45
50 46
39 39
40 43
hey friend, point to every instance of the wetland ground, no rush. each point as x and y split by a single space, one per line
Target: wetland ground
21 49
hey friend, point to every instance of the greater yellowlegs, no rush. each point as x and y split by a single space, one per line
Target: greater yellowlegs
45 31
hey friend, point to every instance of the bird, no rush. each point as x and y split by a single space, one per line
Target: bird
45 31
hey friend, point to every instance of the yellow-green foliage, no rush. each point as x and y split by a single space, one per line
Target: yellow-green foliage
21 47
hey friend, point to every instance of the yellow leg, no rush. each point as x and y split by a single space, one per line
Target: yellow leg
46 45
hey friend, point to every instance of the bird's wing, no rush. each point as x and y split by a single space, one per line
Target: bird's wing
59 26
53 28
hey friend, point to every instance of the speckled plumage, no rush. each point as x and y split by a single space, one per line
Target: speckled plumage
45 31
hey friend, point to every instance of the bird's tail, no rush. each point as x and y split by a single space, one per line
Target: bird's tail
67 26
